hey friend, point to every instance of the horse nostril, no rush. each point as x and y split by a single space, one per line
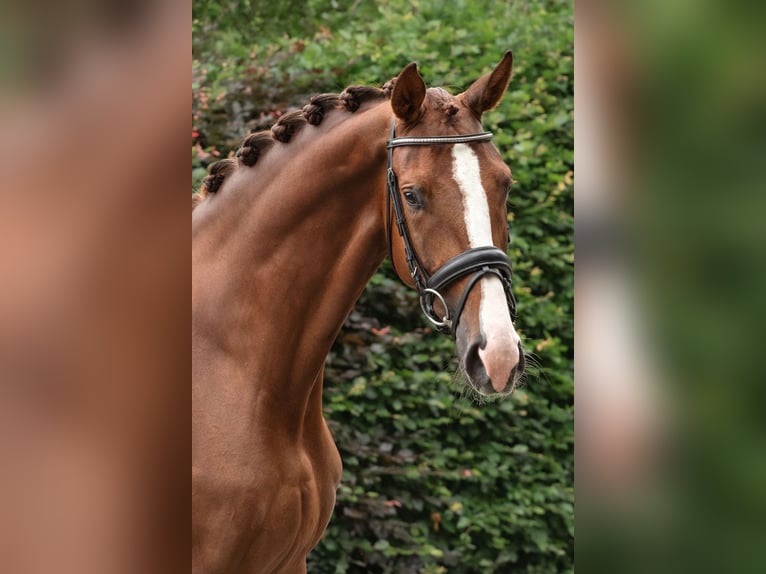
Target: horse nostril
473 365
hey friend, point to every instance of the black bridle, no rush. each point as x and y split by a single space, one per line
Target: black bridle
478 261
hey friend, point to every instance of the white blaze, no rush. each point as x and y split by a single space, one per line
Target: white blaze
501 352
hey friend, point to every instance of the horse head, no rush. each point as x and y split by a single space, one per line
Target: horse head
447 196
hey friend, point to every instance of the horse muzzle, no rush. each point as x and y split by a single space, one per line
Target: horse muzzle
491 369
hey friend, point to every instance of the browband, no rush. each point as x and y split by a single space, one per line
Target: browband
437 140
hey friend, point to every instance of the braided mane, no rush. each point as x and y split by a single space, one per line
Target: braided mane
256 144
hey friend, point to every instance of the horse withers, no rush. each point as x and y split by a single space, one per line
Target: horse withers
285 236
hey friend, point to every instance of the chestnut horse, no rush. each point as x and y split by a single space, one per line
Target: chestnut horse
284 241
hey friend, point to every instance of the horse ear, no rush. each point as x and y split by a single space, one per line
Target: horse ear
486 92
409 92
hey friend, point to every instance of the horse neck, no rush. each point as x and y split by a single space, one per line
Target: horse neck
286 262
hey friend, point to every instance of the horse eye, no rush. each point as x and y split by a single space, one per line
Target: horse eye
411 198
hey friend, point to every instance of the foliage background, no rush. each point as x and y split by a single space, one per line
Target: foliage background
433 481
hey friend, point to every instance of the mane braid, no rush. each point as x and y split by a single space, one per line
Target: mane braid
318 105
216 174
287 125
354 96
388 87
253 146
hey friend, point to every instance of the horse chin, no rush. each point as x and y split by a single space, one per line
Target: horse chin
469 347
483 386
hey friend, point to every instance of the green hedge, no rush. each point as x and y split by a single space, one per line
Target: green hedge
434 480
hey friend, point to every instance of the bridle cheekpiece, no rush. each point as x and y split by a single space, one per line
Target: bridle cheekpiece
478 261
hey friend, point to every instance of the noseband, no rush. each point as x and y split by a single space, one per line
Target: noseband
477 262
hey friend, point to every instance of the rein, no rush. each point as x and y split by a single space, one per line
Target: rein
479 261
